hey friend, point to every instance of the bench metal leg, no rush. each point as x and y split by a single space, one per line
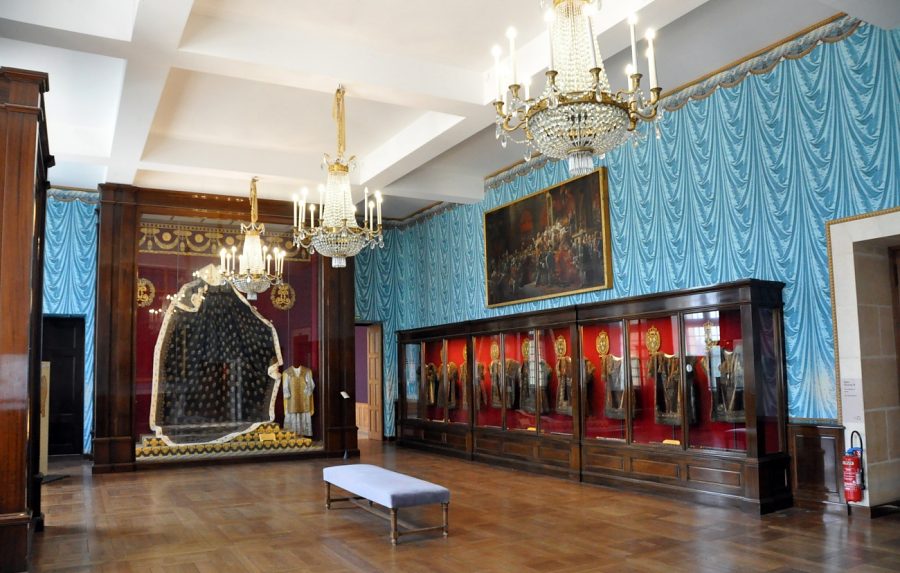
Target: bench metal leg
327 495
445 510
394 533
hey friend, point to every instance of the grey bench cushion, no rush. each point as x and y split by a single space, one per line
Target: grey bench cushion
384 487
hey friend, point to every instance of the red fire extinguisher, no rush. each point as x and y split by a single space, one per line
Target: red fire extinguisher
853 471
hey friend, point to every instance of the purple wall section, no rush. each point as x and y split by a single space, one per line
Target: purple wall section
362 390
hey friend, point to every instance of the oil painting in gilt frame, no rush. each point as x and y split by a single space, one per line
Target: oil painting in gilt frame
551 243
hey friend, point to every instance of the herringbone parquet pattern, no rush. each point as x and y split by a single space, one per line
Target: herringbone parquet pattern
270 517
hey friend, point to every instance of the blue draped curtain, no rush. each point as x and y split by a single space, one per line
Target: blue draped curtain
739 184
70 276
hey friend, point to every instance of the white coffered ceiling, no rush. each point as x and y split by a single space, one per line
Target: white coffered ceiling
203 94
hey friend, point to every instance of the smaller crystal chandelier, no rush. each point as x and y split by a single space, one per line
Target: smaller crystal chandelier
254 264
578 116
336 233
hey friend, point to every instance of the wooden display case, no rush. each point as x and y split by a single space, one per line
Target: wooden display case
678 393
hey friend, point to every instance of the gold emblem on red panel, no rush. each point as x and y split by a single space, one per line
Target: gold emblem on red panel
561 346
283 296
602 343
652 340
146 292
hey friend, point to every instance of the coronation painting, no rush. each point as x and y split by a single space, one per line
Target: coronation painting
551 243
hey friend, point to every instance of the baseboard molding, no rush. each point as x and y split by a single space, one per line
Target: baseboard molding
876 511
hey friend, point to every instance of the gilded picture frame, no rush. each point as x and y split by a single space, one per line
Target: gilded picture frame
552 243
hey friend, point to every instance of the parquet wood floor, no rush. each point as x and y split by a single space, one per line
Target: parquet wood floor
270 517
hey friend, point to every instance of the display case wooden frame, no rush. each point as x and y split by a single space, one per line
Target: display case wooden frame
451 438
121 208
755 479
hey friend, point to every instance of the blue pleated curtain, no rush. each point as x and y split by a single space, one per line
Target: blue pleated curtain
70 276
739 184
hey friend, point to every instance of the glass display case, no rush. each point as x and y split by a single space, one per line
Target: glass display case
413 405
771 393
681 392
558 396
458 381
434 379
524 376
656 374
214 368
604 379
714 368
488 391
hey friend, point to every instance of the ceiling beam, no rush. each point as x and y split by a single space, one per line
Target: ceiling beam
224 47
64 39
157 32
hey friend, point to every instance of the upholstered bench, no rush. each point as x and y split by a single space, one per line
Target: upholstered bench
388 489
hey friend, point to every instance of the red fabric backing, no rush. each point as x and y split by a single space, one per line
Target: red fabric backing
297 328
486 415
645 428
555 422
708 433
455 349
433 355
597 424
512 349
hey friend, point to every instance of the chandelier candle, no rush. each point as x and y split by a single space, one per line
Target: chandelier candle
578 116
378 205
497 51
365 205
549 16
651 57
632 22
511 36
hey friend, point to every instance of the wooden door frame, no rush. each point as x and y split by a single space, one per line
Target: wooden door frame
380 394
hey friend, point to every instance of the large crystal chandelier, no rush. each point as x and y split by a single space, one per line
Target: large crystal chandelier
251 271
336 233
577 116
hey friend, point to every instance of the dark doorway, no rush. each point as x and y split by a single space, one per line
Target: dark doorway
63 348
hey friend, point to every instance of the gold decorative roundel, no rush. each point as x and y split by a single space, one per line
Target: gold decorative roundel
146 292
495 351
560 347
653 341
525 349
283 296
602 343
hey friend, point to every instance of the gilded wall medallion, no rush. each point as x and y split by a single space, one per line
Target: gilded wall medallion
560 347
652 340
283 296
146 292
602 343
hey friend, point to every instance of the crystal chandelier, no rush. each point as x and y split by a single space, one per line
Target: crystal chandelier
254 264
577 116
336 233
